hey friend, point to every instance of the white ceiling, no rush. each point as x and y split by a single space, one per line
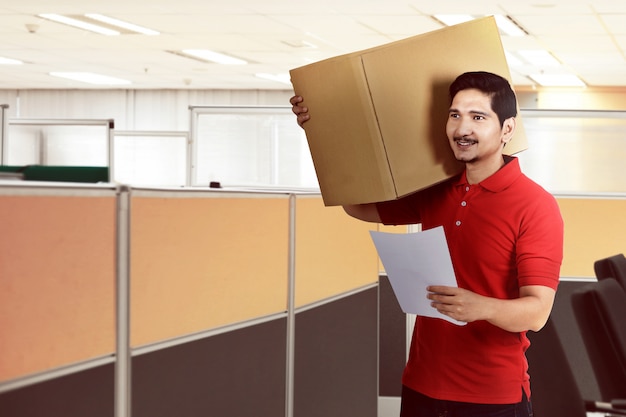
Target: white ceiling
588 37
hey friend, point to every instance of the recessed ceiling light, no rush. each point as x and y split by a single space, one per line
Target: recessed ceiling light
213 56
557 80
122 24
10 61
79 24
91 78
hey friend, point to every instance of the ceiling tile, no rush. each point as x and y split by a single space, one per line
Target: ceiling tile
587 36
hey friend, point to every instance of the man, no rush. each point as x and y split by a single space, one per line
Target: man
505 235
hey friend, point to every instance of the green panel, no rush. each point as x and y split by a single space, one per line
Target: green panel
60 173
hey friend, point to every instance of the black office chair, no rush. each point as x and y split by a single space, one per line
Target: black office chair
554 390
600 310
612 267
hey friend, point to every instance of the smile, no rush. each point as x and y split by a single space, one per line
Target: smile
465 141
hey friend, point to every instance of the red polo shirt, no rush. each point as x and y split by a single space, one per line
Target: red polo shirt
503 233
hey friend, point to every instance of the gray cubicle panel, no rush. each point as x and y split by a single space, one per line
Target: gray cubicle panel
392 341
243 372
567 329
335 369
86 393
235 374
239 373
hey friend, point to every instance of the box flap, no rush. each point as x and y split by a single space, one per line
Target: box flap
343 133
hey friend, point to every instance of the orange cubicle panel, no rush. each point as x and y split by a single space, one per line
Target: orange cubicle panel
594 228
203 261
57 281
334 252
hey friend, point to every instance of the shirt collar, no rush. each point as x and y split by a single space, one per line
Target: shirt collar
501 179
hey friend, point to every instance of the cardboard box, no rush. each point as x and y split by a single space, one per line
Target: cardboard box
378 116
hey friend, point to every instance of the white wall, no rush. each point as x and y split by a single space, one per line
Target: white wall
131 109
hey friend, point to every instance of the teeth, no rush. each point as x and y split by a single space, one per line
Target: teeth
465 142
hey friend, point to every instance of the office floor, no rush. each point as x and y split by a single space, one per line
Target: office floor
388 406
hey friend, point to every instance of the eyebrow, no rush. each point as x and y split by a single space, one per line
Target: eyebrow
478 112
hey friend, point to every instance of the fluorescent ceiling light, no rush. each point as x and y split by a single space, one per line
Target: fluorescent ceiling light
79 24
281 78
506 25
91 78
212 56
122 24
557 80
539 58
512 60
453 19
10 61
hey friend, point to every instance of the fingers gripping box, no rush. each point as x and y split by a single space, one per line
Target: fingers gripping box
378 116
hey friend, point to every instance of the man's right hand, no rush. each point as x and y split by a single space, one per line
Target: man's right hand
302 112
366 212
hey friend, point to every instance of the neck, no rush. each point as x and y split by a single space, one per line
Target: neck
476 172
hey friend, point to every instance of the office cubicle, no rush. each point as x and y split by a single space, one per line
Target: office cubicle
57 313
146 301
151 158
253 146
58 142
575 151
593 226
242 146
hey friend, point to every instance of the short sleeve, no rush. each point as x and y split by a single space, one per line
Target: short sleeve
540 245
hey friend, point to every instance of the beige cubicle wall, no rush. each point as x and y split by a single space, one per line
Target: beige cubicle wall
195 256
595 228
57 277
108 292
334 252
202 260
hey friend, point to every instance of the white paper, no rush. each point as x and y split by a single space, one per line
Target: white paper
413 261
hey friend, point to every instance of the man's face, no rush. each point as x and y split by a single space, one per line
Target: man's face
474 130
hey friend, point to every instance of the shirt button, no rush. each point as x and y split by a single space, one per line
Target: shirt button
464 203
458 222
467 188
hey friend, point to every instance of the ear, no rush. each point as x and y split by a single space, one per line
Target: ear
508 128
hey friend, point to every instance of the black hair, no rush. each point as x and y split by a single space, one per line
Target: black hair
503 101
